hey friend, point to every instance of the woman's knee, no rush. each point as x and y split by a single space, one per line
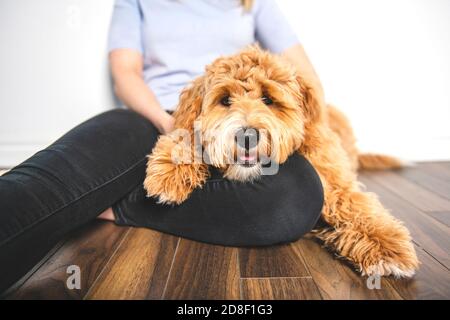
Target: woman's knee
296 178
274 209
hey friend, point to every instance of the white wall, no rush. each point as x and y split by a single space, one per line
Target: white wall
53 71
386 63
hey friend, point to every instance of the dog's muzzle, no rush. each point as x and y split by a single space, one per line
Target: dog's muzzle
247 140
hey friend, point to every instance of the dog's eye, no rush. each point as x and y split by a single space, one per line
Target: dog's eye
225 101
266 100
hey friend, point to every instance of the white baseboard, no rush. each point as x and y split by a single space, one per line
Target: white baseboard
12 155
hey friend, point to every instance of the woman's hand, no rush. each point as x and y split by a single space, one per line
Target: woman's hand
166 124
131 89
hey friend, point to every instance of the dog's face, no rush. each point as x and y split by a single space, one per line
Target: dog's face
251 107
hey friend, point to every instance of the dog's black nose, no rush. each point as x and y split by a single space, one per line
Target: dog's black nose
247 138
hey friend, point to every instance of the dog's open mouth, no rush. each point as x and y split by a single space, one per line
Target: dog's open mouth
247 158
247 139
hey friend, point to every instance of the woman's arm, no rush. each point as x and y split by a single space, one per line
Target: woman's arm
275 34
130 88
298 57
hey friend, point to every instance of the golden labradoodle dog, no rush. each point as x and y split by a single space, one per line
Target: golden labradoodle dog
264 93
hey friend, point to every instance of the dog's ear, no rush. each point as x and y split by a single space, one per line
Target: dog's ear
190 104
309 100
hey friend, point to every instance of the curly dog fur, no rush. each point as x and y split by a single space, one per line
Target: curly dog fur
261 91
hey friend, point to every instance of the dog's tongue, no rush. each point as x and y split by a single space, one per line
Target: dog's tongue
247 157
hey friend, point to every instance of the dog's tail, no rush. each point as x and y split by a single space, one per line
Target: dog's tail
372 161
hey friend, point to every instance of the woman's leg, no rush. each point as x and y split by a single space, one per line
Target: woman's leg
67 184
274 209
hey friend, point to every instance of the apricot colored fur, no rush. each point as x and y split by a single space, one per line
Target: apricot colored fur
358 228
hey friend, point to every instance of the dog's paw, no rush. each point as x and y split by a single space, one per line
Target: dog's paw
170 181
171 196
389 269
399 261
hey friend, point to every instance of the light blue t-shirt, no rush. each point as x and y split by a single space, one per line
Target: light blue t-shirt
178 38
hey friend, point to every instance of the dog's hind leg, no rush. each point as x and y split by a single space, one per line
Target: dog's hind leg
340 125
360 228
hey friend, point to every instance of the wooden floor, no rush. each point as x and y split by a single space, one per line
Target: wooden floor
127 263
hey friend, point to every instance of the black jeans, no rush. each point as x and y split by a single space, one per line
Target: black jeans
101 163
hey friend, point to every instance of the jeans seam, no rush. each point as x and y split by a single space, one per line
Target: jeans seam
71 202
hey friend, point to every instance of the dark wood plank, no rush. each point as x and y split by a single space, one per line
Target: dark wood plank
431 282
276 261
163 265
11 291
442 217
418 196
139 269
431 235
336 280
279 288
202 271
89 249
430 178
117 263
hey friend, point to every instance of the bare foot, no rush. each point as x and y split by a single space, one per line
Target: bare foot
107 215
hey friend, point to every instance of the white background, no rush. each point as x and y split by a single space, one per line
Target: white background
384 62
53 71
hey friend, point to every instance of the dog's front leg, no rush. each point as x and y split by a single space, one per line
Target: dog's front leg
360 228
172 173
